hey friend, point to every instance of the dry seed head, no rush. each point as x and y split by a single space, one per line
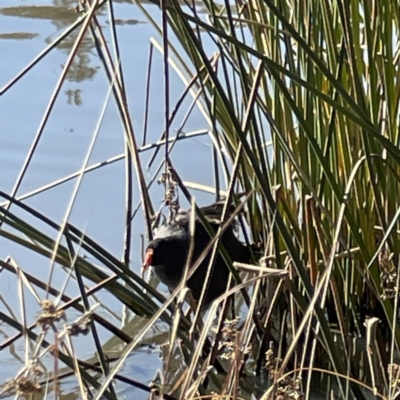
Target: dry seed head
388 274
272 362
49 314
394 376
37 371
22 386
289 389
81 327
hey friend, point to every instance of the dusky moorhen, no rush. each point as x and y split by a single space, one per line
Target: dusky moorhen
168 252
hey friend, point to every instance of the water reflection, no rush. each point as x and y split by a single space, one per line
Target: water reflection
74 96
57 13
18 36
62 14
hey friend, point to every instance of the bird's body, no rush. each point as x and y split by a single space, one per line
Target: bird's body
168 253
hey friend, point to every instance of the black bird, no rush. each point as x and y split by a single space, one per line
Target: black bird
168 252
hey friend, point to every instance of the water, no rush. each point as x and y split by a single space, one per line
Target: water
26 28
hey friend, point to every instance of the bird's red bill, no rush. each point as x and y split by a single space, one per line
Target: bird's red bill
148 258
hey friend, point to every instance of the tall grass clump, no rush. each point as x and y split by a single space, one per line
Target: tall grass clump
320 80
301 99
